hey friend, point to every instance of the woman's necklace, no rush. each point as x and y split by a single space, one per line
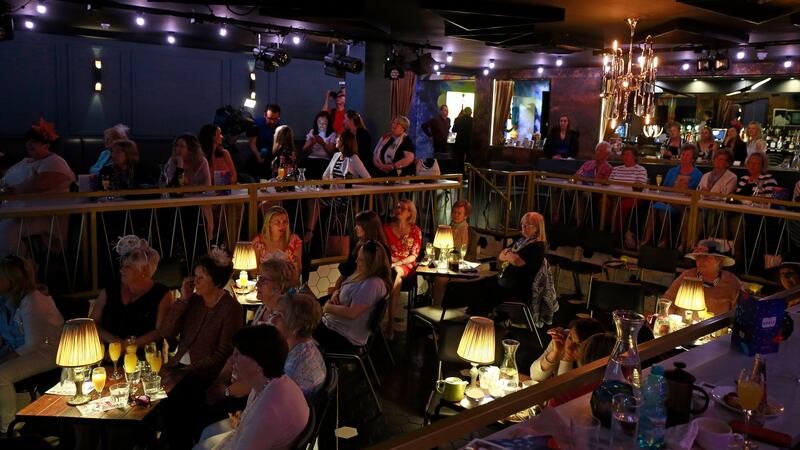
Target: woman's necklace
714 283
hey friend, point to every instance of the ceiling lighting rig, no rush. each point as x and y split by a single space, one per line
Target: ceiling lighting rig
629 82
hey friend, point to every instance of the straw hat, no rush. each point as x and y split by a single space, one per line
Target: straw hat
710 247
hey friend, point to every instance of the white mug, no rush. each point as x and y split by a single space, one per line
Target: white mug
712 433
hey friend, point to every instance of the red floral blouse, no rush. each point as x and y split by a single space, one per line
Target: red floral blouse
403 247
260 246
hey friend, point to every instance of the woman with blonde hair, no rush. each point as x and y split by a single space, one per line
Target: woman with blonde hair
405 240
30 328
124 171
520 263
346 315
276 236
755 144
110 135
135 305
395 150
187 154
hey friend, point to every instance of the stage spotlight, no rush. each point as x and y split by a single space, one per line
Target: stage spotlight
29 24
296 40
685 66
269 59
337 66
223 31
485 71
740 54
721 63
540 70
704 64
491 64
170 39
559 61
787 63
449 58
140 20
424 64
761 53
393 67
41 8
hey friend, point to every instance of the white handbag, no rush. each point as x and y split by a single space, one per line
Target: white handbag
429 169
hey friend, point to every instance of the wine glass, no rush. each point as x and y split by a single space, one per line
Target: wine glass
659 179
114 352
750 389
105 181
155 360
99 380
429 251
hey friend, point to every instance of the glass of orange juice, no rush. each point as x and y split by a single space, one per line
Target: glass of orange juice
750 389
114 352
99 380
131 366
130 345
155 360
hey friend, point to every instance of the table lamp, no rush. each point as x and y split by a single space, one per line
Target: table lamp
444 242
691 297
477 345
244 259
79 347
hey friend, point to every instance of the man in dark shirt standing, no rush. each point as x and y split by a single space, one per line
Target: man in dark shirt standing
437 128
260 163
462 149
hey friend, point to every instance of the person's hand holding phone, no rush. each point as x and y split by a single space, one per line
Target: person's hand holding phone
187 288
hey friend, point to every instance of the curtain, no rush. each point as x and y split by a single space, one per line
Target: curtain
402 91
725 113
503 91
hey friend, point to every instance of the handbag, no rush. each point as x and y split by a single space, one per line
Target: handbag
428 167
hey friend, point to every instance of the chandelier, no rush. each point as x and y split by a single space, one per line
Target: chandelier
623 79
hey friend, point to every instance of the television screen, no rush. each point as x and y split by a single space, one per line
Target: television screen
719 133
622 130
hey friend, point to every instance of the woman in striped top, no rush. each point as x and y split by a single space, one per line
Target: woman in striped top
757 183
629 172
346 161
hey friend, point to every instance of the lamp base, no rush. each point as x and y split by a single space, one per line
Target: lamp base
473 376
76 400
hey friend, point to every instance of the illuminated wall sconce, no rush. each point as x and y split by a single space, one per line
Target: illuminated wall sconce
98 75
250 102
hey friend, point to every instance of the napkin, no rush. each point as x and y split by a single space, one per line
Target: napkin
682 436
68 388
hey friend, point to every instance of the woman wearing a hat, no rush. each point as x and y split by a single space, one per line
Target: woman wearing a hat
721 287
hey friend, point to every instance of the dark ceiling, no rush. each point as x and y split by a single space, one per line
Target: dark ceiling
515 33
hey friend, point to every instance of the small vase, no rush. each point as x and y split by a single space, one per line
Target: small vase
509 375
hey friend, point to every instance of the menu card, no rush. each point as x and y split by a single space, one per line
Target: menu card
757 324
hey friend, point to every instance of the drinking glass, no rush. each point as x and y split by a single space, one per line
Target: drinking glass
155 360
659 179
429 251
105 181
99 380
624 421
584 432
130 345
463 250
750 389
152 385
114 352
119 394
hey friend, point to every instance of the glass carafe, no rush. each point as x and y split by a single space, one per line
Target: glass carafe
661 323
624 369
509 376
301 176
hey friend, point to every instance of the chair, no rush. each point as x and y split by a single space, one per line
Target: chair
170 273
359 353
457 297
307 435
659 260
518 313
607 296
38 384
322 401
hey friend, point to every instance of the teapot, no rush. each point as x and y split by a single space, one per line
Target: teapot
680 385
451 388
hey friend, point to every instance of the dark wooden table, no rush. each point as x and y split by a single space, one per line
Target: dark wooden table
51 409
426 271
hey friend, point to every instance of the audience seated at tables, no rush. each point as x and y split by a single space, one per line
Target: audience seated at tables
206 317
562 141
219 159
757 182
30 328
42 172
596 346
276 236
276 411
124 170
355 124
520 263
628 172
347 314
135 305
187 154
284 153
719 179
320 145
278 275
395 151
405 240
683 177
597 168
563 351
115 133
464 236
721 287
368 228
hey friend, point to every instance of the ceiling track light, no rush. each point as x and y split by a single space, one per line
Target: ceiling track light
337 66
296 39
491 64
223 30
559 61
540 70
740 54
269 59
449 58
787 63
41 8
171 39
28 24
140 20
485 71
685 66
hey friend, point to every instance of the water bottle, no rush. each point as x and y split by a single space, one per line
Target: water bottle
653 414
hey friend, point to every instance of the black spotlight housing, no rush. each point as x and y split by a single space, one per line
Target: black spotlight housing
269 59
423 65
337 66
393 67
721 63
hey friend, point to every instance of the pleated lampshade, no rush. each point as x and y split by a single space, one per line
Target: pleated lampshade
477 343
79 345
244 257
444 237
690 295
